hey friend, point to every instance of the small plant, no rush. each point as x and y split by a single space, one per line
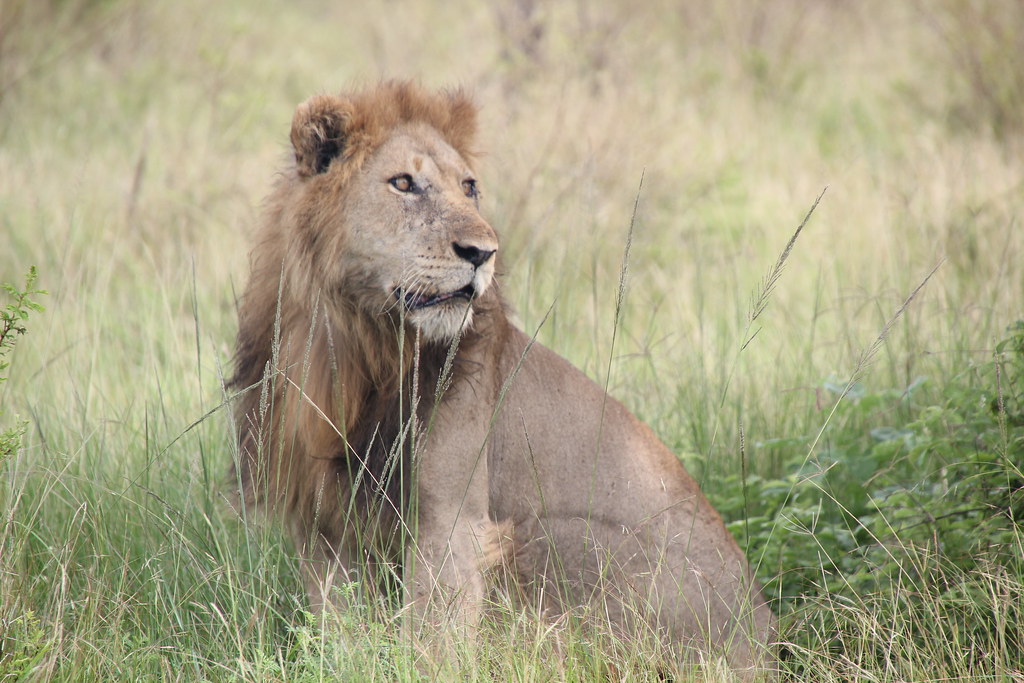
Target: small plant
12 325
23 643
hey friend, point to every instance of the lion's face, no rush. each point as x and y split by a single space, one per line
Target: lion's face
388 208
416 242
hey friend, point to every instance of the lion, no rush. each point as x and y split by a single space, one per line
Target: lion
415 442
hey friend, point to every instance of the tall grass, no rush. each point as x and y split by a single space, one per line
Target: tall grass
137 139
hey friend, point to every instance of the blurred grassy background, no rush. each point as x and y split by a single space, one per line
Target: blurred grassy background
138 138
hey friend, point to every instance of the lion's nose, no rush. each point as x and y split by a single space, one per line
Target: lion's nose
472 253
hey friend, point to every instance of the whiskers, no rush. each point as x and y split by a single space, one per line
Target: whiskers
436 300
412 283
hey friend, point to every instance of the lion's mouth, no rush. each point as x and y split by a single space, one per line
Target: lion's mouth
414 301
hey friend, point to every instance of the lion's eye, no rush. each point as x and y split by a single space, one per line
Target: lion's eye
402 183
469 187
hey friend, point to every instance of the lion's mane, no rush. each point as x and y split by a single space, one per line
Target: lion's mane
325 388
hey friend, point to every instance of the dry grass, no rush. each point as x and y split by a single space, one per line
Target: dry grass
137 139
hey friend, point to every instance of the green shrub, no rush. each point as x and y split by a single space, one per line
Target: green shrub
916 525
12 325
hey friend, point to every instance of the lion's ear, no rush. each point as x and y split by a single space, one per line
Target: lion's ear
319 132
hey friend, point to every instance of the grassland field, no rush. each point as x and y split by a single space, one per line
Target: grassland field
137 140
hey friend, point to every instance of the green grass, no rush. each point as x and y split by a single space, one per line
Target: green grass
137 140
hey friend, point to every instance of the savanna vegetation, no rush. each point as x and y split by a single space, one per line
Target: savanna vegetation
851 400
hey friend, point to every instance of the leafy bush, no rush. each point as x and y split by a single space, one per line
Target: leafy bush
917 525
12 325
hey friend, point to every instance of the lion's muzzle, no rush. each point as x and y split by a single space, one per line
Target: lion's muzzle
415 301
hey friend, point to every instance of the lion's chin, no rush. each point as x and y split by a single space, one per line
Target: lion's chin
442 323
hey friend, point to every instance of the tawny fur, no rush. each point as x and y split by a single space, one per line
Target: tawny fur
358 420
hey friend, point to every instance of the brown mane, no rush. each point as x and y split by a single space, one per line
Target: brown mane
325 387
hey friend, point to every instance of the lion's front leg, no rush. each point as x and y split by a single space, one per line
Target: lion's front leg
455 541
447 586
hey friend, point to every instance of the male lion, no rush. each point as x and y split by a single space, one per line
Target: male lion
405 429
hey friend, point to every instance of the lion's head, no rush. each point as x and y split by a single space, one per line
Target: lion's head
389 205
